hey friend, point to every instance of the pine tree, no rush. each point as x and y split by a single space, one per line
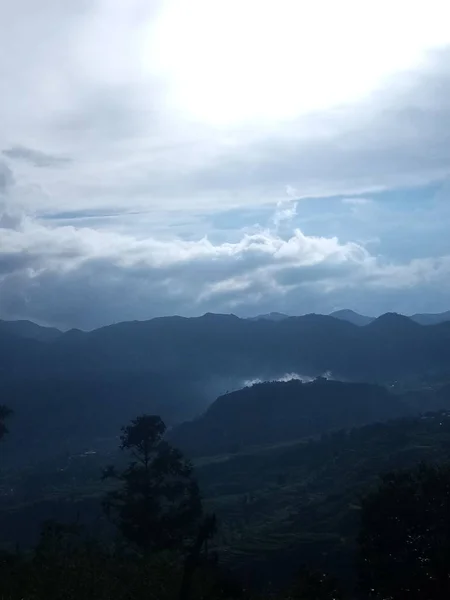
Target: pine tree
156 504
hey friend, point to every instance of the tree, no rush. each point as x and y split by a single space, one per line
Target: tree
68 564
404 543
5 412
206 531
311 585
156 504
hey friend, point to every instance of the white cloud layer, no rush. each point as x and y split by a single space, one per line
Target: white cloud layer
83 277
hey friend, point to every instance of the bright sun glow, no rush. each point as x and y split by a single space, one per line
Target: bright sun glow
232 61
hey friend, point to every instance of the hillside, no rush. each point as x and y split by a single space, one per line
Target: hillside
276 412
277 506
285 505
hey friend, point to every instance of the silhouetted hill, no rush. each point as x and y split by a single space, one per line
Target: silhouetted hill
29 330
273 316
274 412
390 347
362 320
352 317
391 323
431 319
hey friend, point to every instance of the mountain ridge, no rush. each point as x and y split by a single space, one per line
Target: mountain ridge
226 344
30 330
274 412
352 317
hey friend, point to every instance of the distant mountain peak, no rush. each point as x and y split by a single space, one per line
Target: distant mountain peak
393 320
431 318
272 316
393 317
211 315
346 314
29 330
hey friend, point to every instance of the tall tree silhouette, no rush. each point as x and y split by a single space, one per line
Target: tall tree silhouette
156 504
404 544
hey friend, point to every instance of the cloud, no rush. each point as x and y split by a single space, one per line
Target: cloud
9 217
360 208
131 150
145 217
356 201
35 157
68 276
396 137
6 178
285 212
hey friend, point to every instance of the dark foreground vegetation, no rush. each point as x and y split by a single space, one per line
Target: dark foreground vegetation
314 516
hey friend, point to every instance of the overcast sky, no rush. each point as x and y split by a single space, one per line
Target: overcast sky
245 156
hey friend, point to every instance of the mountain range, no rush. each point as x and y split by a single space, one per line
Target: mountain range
70 389
212 346
357 319
29 330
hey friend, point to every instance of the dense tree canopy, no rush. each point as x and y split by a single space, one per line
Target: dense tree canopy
404 543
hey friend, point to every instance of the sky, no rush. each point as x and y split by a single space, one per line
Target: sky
244 156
